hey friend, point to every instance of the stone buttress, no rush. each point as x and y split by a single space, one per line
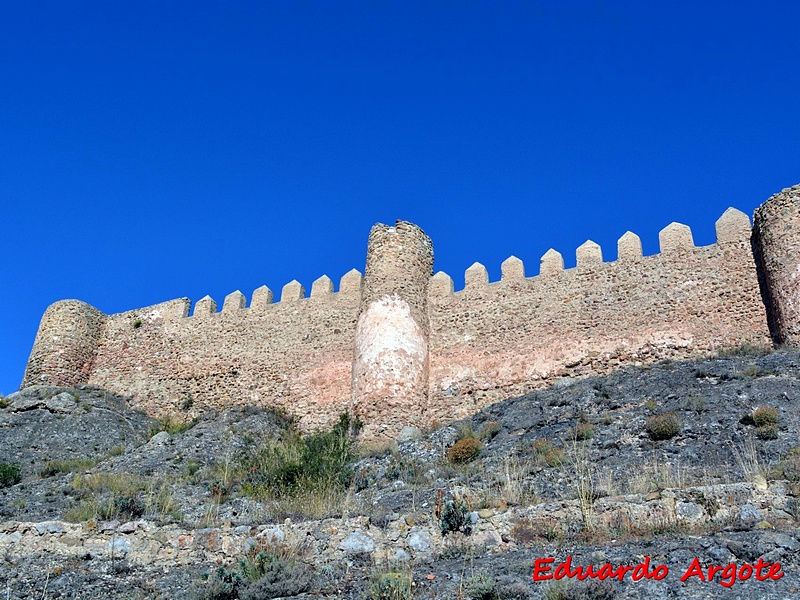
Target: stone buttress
390 369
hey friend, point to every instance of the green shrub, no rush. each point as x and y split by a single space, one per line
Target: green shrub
116 451
790 465
464 450
274 577
455 517
548 453
221 584
480 586
128 506
174 425
393 585
663 426
268 573
767 432
489 430
70 465
584 431
307 475
10 474
765 415
4 402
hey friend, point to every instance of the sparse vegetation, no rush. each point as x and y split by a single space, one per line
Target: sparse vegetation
749 461
455 517
118 450
174 425
480 586
391 585
789 467
489 430
767 432
308 474
4 403
547 453
583 431
464 450
664 426
70 465
267 571
746 349
581 472
765 415
10 473
106 496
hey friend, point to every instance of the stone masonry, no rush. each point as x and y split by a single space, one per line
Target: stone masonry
399 347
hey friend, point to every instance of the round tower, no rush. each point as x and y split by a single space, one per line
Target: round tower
390 370
776 242
65 345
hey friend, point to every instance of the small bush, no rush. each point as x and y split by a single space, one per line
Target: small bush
584 431
664 426
270 571
455 517
790 465
277 577
480 586
767 432
4 403
10 474
221 584
489 430
548 453
70 465
746 349
391 586
765 415
174 425
464 450
116 451
128 506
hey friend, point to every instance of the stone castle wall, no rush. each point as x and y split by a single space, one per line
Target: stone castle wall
492 341
399 347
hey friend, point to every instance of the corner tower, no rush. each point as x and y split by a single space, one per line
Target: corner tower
65 345
776 243
390 368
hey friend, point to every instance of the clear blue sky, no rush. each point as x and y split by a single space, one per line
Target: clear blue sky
156 150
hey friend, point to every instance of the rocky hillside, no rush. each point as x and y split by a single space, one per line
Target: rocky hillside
660 465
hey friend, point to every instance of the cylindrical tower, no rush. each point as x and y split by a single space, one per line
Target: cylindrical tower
390 370
65 344
776 241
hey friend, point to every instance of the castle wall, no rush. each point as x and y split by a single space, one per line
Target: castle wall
399 347
492 341
296 354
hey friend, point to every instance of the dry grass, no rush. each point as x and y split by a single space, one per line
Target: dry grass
749 461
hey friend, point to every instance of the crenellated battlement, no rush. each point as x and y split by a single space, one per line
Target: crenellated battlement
675 240
401 346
